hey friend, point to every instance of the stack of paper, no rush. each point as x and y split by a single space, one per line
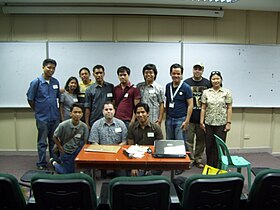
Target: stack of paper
137 151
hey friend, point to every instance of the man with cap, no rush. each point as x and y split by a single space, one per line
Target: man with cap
198 85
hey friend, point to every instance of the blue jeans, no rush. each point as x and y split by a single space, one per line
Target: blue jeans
174 130
67 164
45 131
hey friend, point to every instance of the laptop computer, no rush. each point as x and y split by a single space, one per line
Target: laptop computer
169 149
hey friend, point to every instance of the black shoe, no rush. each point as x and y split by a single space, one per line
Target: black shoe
178 172
52 162
42 168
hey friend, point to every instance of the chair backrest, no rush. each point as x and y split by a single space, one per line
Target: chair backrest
64 191
11 197
265 191
139 193
222 149
221 191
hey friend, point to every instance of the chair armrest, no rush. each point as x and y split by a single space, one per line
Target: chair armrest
104 197
174 199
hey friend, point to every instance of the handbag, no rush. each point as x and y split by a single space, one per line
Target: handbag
209 170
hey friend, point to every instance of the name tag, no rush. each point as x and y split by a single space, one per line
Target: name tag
152 91
109 95
78 135
126 95
75 100
118 130
171 105
55 86
151 134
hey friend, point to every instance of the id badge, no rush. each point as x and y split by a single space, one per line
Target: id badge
109 95
150 134
171 105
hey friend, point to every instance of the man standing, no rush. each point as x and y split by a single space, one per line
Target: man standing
126 96
43 97
96 96
198 85
143 132
179 105
108 130
152 93
69 137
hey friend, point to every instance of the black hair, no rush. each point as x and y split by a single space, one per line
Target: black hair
98 67
107 103
175 66
123 69
77 90
218 73
84 68
49 60
150 67
144 105
76 105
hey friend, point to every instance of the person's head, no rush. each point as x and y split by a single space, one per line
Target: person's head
198 69
150 72
98 73
76 112
49 66
84 74
176 72
142 112
108 110
216 79
123 74
72 85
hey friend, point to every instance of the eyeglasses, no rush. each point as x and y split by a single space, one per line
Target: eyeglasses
216 72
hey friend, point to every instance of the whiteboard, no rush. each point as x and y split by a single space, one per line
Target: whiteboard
21 62
251 72
71 56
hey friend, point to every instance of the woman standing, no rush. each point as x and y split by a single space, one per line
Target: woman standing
69 97
215 117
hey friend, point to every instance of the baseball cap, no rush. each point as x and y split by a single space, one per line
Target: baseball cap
199 64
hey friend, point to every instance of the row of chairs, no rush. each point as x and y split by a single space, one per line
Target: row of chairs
77 191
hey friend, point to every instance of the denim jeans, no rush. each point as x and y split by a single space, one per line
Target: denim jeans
174 130
67 164
45 131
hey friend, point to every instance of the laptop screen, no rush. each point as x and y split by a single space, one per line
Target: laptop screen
170 148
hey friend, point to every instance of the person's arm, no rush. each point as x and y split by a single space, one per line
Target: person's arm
229 114
93 136
123 135
58 144
130 141
189 113
202 116
87 115
31 104
161 113
136 101
61 106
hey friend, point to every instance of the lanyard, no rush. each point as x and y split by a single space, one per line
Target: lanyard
172 96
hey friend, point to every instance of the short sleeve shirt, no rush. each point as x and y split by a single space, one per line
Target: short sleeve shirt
103 133
145 136
67 100
152 95
46 97
216 106
96 96
71 137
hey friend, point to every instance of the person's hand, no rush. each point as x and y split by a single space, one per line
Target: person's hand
227 127
184 126
202 126
134 172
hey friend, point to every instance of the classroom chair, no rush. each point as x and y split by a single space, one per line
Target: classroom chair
265 191
222 191
227 161
64 191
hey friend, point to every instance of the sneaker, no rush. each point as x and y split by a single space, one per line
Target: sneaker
42 168
52 162
199 165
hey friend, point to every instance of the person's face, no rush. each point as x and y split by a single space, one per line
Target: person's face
123 77
216 81
149 75
49 70
76 113
176 75
108 111
84 75
98 75
72 85
142 115
197 72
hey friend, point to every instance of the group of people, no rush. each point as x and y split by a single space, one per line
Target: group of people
100 113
